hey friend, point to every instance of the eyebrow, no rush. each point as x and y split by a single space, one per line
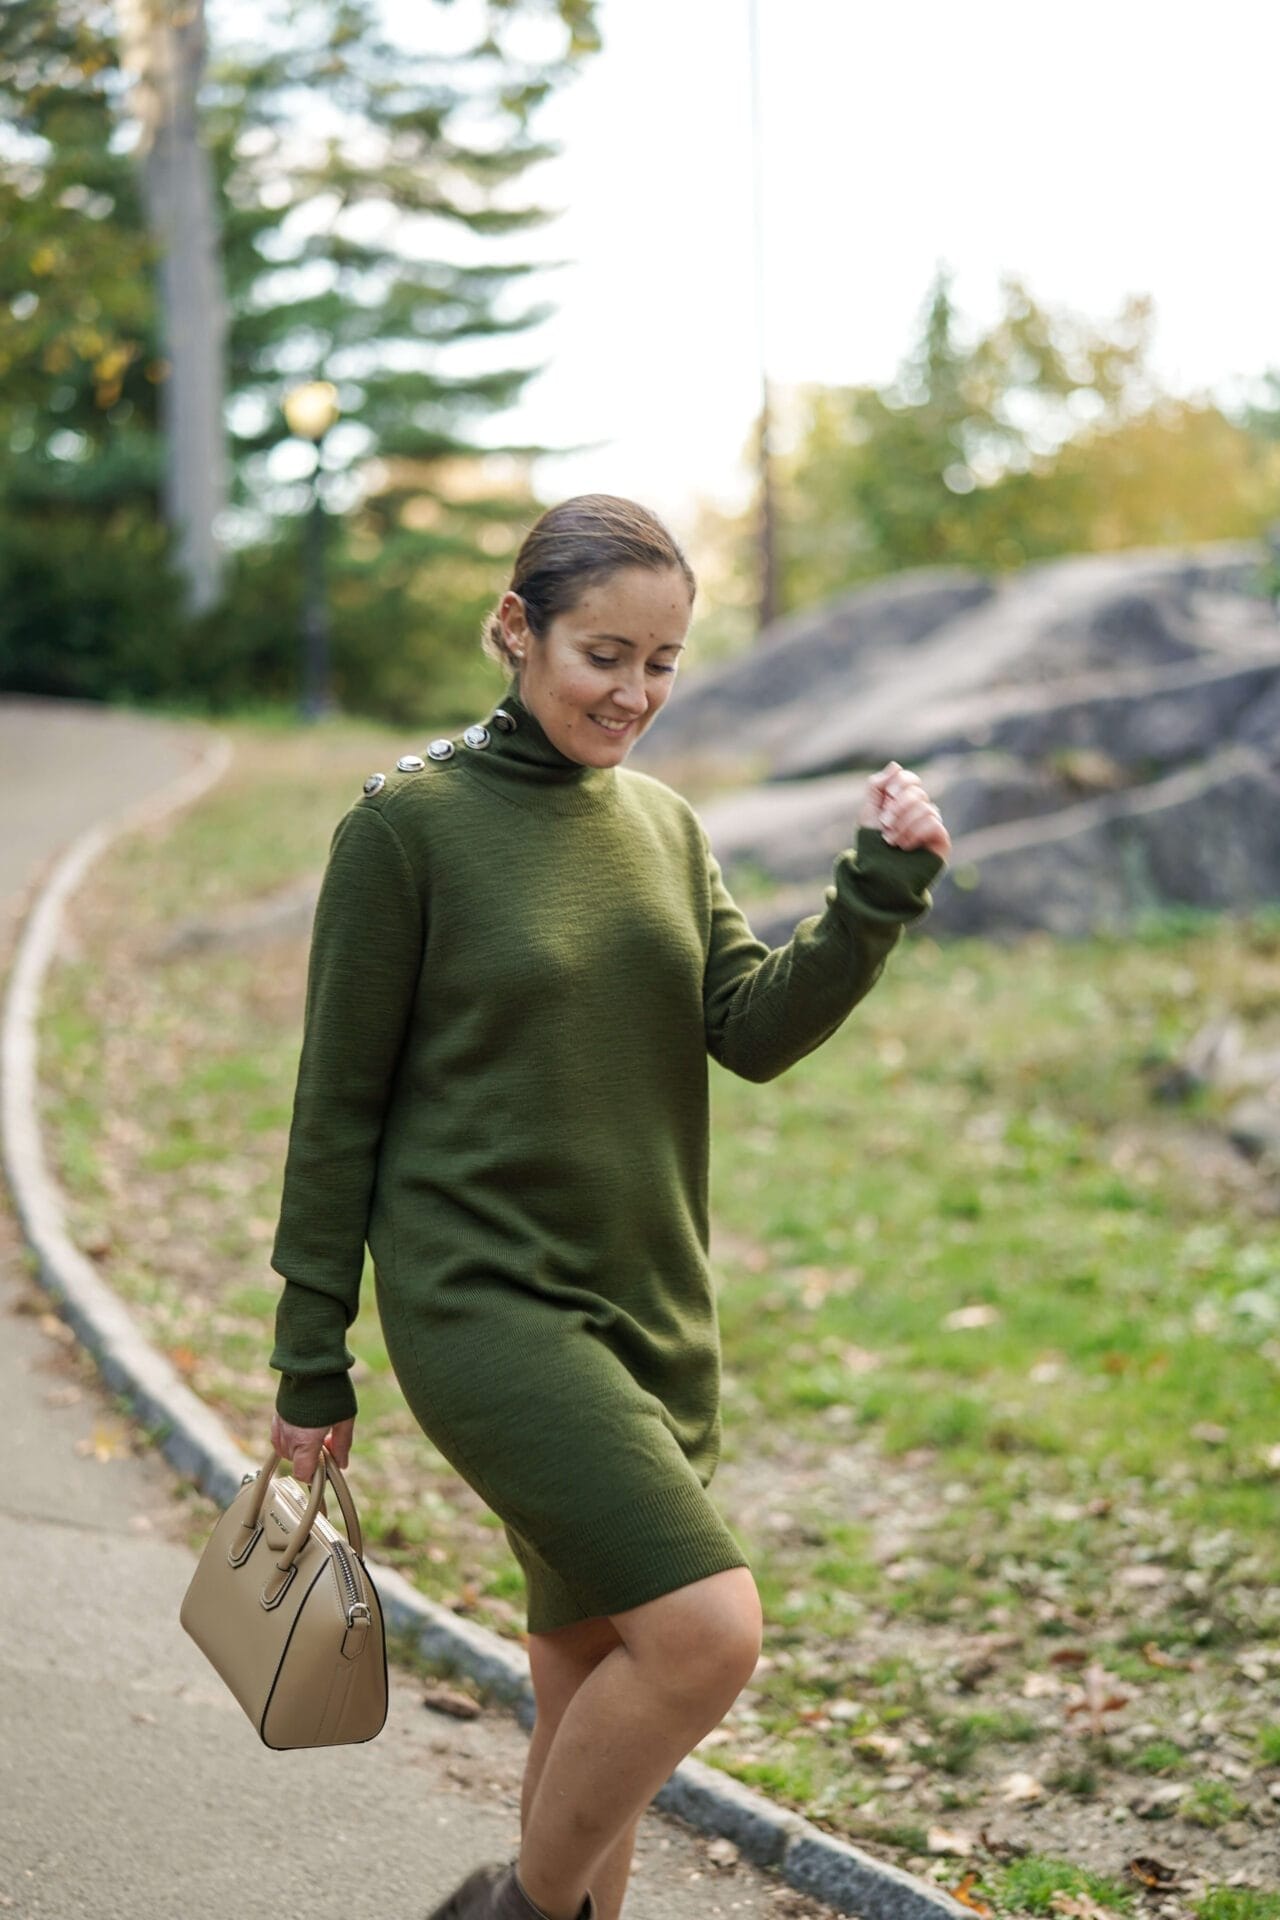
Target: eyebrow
622 641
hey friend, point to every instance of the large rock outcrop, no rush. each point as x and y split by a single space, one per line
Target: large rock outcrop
1102 734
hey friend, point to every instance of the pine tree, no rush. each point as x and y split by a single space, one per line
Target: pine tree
340 160
381 168
86 592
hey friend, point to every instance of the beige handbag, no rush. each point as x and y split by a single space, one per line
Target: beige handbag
284 1608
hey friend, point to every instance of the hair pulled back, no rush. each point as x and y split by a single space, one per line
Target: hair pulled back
573 546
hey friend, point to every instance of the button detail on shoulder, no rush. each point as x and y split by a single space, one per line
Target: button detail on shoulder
441 749
477 736
375 783
411 763
505 722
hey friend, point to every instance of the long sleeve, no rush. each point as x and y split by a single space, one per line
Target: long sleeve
768 1007
365 959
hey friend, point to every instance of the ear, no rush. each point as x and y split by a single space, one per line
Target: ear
514 624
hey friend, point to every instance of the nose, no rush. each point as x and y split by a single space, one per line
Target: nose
629 697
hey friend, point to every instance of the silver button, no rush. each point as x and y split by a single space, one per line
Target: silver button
411 763
505 722
441 749
375 782
477 736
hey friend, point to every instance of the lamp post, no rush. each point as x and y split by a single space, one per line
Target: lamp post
310 411
767 522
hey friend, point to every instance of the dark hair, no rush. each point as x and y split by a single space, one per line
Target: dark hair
573 546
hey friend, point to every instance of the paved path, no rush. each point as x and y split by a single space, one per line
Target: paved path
131 1785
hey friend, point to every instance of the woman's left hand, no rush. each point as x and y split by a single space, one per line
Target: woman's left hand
900 809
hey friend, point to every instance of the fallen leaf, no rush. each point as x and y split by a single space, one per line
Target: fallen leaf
978 1315
1040 1686
1068 1657
1080 1906
459 1706
1152 1872
1021 1788
949 1840
1000 1848
105 1443
185 1359
859 1359
966 1899
1097 1698
1157 1802
1142 1575
1157 1657
975 1668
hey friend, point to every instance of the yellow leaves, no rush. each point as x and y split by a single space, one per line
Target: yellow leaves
108 1441
45 261
966 1898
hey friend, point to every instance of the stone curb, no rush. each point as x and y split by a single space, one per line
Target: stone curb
197 1444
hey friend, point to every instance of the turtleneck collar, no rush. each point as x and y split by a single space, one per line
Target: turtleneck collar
528 769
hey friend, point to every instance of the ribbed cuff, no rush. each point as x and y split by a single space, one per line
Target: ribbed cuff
896 879
315 1400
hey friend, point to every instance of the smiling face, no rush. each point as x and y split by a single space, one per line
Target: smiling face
600 673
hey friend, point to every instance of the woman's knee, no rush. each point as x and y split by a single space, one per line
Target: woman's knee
707 1634
561 1660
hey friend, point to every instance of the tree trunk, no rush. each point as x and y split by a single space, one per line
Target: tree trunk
163 50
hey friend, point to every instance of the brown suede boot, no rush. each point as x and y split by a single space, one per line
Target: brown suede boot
494 1892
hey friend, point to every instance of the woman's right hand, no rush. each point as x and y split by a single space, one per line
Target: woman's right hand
302 1445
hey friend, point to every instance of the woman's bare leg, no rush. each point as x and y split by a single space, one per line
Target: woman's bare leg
559 1663
681 1662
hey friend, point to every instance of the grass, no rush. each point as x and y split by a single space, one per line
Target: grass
1238 1903
1211 1803
1028 1885
977 1288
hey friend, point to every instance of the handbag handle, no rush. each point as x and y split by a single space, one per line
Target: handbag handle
327 1468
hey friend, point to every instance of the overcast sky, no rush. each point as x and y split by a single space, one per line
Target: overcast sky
1097 150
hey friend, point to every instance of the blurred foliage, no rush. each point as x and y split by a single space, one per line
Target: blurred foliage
338 158
1045 435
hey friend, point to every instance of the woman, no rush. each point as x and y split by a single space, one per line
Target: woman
523 953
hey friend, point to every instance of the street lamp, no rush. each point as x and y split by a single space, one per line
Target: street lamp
310 411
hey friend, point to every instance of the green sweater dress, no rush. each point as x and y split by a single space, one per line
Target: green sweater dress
518 967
